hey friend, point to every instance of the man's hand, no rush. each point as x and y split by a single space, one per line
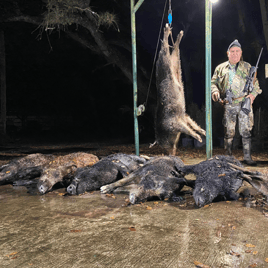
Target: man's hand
215 96
252 98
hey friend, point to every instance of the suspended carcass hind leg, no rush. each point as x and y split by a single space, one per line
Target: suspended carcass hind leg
194 125
184 127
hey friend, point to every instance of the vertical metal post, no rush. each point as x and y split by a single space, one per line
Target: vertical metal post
134 71
208 79
133 10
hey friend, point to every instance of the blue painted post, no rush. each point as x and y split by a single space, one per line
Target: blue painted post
208 79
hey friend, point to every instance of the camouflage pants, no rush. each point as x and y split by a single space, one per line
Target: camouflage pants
231 114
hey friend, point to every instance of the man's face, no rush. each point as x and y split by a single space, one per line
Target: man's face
234 55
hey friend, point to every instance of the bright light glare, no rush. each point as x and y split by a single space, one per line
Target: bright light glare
213 1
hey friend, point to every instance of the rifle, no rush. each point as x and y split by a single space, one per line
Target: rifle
245 106
229 97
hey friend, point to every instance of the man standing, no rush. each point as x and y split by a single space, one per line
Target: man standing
228 82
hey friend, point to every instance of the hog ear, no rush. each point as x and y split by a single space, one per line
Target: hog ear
69 169
72 168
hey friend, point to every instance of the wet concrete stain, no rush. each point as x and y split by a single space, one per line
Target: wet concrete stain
85 214
90 231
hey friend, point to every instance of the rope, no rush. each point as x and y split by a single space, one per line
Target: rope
170 19
156 50
170 14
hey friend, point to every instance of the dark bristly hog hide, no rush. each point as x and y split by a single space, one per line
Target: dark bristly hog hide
29 167
107 170
171 119
160 177
215 179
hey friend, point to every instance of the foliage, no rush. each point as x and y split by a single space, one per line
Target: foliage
108 19
62 13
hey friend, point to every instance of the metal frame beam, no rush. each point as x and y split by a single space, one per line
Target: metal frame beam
133 9
208 24
208 79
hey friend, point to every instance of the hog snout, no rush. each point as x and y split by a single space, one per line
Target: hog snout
71 189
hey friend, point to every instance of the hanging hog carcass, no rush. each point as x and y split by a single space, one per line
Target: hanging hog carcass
171 119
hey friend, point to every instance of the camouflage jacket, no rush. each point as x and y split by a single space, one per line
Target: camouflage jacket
220 80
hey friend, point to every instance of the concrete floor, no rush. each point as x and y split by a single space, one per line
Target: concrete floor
97 230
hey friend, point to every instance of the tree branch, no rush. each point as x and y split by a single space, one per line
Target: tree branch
83 42
25 18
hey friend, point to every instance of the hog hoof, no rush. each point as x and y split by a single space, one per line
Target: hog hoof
199 139
132 198
167 28
106 189
203 132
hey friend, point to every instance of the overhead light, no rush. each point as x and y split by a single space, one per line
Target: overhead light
213 1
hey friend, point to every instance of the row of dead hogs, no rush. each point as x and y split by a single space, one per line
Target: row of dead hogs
143 177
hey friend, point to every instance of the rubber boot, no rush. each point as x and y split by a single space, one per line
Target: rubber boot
247 152
228 143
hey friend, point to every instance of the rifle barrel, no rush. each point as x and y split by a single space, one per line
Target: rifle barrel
259 58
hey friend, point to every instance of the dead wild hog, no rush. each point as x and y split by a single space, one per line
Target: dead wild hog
79 159
62 168
52 176
215 179
107 170
171 119
160 177
50 168
29 166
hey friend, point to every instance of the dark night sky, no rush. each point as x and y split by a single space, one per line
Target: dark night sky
70 80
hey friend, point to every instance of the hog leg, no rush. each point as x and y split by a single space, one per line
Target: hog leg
112 186
187 130
167 32
194 125
2 167
175 58
163 62
174 149
179 37
24 182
